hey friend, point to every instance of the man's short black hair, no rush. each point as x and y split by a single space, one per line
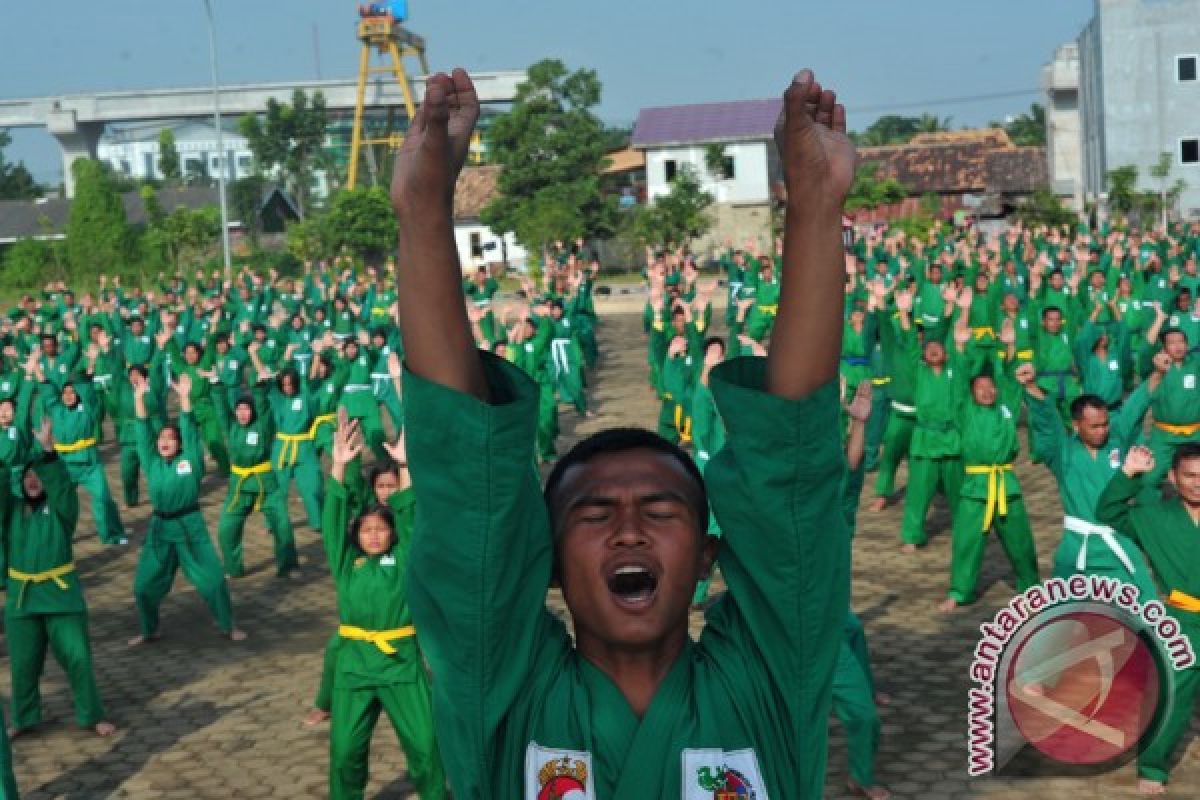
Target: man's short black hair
1184 452
1162 337
1085 401
621 440
1048 309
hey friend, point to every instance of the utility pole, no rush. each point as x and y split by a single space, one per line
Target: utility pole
224 157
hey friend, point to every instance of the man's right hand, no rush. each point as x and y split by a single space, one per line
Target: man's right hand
1139 461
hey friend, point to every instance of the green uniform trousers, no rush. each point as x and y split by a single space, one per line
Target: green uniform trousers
8 782
854 702
355 712
213 435
159 561
896 439
90 476
970 542
306 473
230 528
547 421
67 637
925 476
877 423
130 474
324 699
1155 757
674 422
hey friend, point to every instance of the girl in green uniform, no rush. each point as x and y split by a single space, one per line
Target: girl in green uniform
296 411
45 605
378 664
253 487
177 537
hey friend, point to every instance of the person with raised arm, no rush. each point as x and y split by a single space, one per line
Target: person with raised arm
177 538
634 706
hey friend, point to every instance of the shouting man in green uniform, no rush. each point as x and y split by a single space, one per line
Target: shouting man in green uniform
633 707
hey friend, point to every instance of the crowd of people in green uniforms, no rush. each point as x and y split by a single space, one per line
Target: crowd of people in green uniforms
827 362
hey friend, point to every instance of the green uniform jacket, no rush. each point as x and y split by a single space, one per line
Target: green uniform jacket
1081 478
37 539
513 700
175 484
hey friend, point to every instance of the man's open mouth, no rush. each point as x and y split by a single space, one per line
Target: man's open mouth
633 586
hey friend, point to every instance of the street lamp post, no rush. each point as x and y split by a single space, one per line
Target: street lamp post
223 160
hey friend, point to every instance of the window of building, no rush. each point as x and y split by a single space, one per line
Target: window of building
244 162
216 163
728 168
476 245
671 169
1189 151
148 162
1185 68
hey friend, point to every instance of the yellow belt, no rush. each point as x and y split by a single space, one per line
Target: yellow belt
982 331
1025 355
683 425
55 575
75 447
243 473
881 381
1178 430
291 441
379 312
997 498
770 310
1183 601
381 639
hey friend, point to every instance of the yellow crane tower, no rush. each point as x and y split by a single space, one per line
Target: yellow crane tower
381 30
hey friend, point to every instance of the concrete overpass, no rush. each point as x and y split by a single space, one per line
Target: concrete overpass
77 120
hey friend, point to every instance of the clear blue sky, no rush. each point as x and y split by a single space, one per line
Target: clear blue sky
877 53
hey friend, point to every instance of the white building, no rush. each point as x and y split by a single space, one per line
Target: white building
134 151
1064 144
477 245
678 137
1139 95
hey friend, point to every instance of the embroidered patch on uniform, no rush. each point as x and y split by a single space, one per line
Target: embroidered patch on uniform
12 434
1004 410
252 437
551 774
298 404
6 386
388 561
62 367
232 365
1189 381
183 468
1114 365
722 775
1024 323
1114 458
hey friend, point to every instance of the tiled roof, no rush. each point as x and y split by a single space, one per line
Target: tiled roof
706 122
475 189
961 161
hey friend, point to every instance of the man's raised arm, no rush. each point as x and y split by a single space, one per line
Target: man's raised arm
433 322
818 164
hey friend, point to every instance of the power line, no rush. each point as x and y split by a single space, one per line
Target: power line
946 101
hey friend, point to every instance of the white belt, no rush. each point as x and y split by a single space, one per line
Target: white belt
102 379
1088 529
903 409
356 387
558 354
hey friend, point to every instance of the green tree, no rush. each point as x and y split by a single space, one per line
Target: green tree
98 235
361 221
1122 183
180 237
1044 208
870 190
25 263
196 173
289 138
719 165
307 239
168 158
1029 128
674 218
245 199
551 148
16 182
891 129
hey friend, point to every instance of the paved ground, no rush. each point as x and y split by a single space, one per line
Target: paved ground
202 718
